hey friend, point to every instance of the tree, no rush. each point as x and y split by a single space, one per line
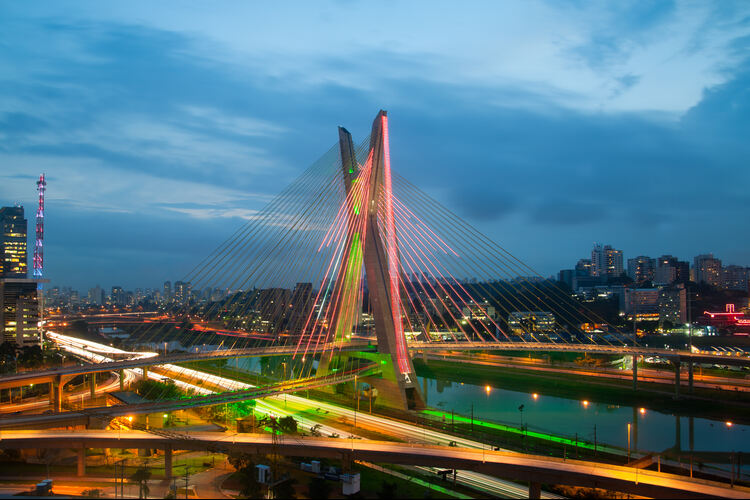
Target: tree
285 489
8 352
31 356
153 389
387 490
141 476
244 464
319 489
288 424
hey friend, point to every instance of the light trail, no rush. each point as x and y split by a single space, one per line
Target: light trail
408 432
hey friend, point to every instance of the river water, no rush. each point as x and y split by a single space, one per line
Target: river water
653 431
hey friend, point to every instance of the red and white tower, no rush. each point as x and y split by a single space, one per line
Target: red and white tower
41 186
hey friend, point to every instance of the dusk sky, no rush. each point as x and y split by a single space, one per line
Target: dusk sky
547 125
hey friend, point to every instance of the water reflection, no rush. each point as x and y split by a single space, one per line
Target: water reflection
652 431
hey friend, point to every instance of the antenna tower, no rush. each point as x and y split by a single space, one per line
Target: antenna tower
41 186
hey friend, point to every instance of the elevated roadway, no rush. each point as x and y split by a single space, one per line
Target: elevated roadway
100 416
140 360
151 359
679 356
536 470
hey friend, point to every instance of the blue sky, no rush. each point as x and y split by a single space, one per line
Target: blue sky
548 125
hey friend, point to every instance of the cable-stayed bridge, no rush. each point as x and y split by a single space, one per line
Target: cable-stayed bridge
352 265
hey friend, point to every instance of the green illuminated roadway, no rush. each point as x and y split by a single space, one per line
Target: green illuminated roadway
517 466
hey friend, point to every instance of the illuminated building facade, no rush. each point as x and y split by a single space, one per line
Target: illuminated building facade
735 278
521 322
670 270
13 228
19 311
644 302
707 269
606 261
641 268
673 305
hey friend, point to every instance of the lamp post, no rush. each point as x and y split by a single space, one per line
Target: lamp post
520 409
628 442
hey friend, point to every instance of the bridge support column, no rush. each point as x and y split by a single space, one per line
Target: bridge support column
690 376
145 373
81 470
635 430
168 462
122 380
635 372
92 386
676 379
55 393
677 435
535 490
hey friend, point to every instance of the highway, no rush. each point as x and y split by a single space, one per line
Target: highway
149 359
644 374
294 405
83 393
103 363
536 469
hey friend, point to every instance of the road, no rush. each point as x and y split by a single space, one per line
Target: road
644 374
537 469
294 405
290 404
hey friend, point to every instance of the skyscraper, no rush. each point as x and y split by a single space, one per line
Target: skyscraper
13 228
707 269
167 291
19 311
182 292
671 270
118 296
641 268
606 261
735 278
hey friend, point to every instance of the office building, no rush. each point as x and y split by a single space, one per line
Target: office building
19 311
529 322
182 291
606 261
673 305
167 291
96 296
641 268
669 269
13 227
707 269
644 302
584 268
735 278
118 296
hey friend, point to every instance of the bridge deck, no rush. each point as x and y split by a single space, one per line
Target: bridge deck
515 466
35 377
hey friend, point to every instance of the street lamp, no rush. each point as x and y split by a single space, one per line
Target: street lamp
628 442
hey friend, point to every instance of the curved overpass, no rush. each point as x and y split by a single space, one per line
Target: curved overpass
150 359
516 466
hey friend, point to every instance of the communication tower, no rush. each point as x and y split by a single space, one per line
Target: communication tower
41 186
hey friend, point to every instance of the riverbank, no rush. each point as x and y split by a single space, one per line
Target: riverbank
706 403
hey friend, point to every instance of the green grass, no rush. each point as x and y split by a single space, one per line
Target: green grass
371 482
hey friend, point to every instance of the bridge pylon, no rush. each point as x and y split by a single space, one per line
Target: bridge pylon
376 250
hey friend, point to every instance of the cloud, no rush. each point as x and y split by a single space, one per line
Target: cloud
533 120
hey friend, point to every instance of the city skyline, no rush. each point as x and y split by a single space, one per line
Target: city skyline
616 133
